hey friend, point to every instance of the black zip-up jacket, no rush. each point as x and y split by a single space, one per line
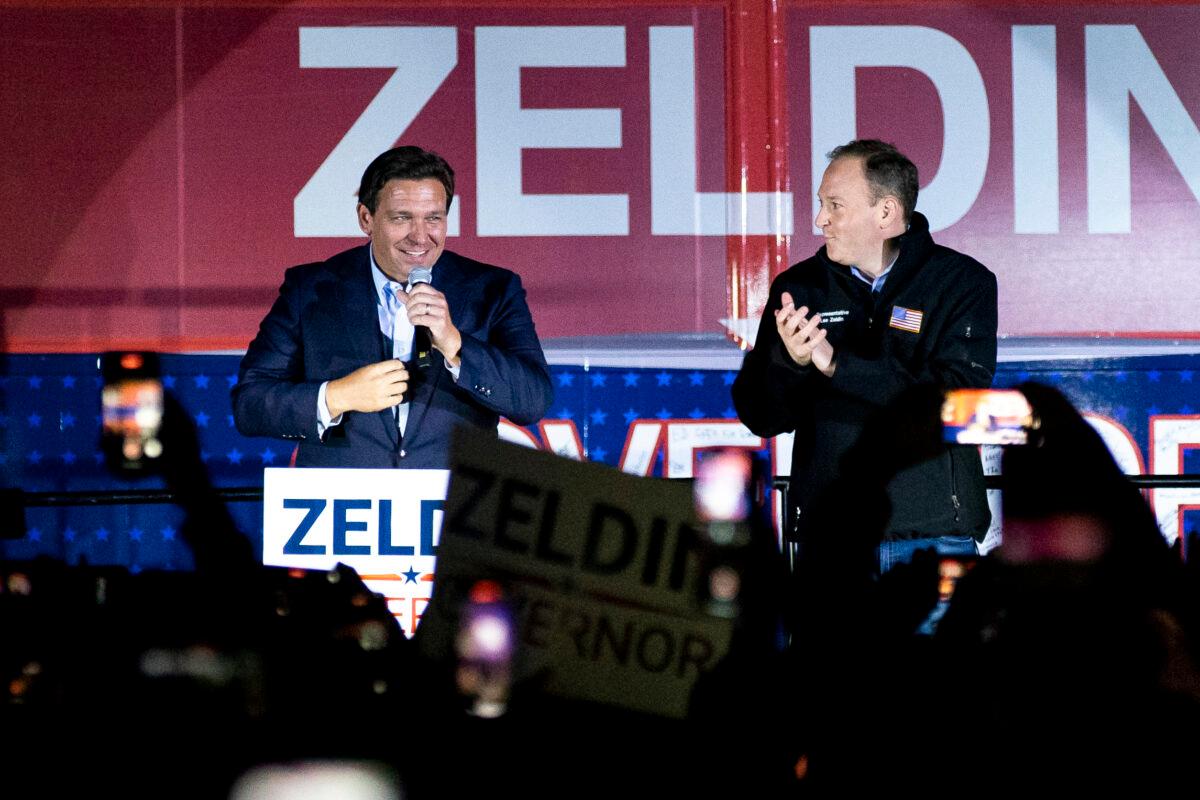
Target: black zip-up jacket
955 347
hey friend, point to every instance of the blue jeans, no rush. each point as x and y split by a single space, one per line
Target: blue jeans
900 551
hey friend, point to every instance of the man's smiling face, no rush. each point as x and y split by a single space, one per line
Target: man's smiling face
850 218
408 226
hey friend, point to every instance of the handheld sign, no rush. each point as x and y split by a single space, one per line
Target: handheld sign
602 566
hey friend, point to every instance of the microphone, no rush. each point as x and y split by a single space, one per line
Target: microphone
422 341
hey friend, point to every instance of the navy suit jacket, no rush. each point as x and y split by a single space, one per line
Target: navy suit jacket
325 325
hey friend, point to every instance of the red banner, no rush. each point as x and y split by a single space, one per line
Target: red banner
1057 145
166 163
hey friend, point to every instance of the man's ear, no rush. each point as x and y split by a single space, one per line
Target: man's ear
890 212
364 219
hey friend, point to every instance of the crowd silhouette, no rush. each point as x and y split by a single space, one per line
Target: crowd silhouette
1065 658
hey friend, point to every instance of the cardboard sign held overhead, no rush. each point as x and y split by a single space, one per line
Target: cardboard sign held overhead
601 566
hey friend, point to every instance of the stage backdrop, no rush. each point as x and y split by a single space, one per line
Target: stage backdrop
645 166
647 421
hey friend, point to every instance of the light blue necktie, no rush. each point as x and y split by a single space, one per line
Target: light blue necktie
402 336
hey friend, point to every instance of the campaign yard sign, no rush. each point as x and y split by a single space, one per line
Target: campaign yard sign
382 523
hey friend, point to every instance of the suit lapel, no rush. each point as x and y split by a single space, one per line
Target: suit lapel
357 309
359 315
448 278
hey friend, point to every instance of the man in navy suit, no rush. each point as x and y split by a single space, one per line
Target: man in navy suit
333 363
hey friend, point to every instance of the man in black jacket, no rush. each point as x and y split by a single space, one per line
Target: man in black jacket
878 309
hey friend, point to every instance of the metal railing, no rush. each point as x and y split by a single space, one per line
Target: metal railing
255 493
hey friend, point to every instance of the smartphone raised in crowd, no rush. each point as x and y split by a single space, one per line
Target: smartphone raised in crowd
132 410
987 416
724 489
951 569
485 647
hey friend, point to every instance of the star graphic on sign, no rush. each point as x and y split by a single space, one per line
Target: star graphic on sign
102 534
411 575
135 568
663 414
696 413
631 379
664 378
168 381
35 382
3 458
728 378
630 416
34 420
35 457
1185 409
98 458
566 379
201 419
205 456
135 534
1153 410
1185 376
201 381
229 420
598 417
3 420
696 378
267 456
68 458
66 420
34 534
598 379
1120 376
68 381
564 413
168 533
729 413
234 456
69 534
598 454
1153 375
231 381
1086 377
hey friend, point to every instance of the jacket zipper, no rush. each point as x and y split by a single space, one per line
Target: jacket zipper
954 488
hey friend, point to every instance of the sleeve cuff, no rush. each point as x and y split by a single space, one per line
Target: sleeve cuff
324 421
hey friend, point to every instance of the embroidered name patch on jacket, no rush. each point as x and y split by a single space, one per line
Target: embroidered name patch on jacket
906 319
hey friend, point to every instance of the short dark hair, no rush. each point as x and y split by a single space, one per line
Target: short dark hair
888 171
406 163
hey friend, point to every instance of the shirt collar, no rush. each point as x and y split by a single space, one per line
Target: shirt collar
877 282
381 281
